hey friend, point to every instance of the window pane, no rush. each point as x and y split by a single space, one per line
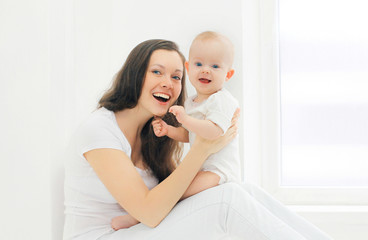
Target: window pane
324 92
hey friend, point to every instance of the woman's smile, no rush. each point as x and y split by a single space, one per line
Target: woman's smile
162 98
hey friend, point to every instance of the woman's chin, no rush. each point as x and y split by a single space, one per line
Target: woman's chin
161 109
160 113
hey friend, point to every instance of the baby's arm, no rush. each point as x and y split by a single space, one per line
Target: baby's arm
161 128
125 221
202 181
202 127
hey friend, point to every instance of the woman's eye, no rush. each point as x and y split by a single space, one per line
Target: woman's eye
156 72
177 78
198 64
215 66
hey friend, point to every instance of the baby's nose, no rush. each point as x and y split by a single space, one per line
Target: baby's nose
205 70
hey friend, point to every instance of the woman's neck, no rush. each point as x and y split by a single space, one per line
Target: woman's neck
131 123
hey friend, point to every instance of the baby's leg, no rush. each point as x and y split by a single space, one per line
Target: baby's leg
202 181
125 221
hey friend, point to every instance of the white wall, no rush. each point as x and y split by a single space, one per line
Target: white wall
102 33
56 59
25 122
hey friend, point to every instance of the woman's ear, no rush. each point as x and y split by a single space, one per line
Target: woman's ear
186 65
229 74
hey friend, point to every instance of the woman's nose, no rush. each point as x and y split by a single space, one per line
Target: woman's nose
166 82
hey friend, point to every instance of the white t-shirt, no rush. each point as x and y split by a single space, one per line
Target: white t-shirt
89 206
219 108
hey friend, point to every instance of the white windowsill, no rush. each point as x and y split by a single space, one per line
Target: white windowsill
341 222
329 209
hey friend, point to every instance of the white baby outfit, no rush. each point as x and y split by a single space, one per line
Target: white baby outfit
218 108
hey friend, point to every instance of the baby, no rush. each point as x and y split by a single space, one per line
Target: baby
207 114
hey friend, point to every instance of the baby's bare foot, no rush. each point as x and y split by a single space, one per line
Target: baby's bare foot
125 221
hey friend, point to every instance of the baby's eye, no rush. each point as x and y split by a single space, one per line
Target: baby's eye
198 64
177 78
156 72
215 66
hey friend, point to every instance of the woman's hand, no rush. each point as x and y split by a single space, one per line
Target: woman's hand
213 146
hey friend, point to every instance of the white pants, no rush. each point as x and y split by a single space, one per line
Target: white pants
228 211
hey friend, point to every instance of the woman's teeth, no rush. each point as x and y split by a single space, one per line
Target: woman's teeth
161 97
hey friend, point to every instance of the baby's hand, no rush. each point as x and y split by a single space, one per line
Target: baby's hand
160 128
125 221
178 112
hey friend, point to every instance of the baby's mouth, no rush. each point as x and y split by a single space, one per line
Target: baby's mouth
204 80
161 97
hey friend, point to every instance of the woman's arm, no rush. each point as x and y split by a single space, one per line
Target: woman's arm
116 170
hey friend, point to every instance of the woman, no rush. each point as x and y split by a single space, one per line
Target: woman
116 166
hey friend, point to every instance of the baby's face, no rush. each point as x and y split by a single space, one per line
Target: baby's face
208 65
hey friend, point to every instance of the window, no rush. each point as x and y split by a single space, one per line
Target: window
285 96
324 100
313 80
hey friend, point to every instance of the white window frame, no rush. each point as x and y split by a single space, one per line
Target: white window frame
262 114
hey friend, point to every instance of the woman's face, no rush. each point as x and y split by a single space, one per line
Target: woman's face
162 83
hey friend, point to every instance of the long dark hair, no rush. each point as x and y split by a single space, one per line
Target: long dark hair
162 154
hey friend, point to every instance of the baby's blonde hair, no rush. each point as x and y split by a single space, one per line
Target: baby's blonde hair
210 35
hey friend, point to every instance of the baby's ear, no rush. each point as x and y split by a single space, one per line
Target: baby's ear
186 65
229 74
